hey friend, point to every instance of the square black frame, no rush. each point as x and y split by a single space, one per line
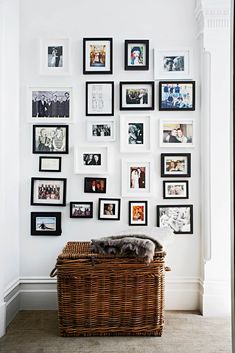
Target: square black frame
83 203
177 206
98 72
112 98
176 175
138 41
49 170
35 151
161 83
58 230
151 83
63 203
88 181
176 181
118 213
146 211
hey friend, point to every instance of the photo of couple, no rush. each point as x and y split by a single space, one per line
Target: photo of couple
137 177
177 133
173 63
177 218
55 56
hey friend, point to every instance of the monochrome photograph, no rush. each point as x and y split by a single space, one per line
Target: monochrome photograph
137 177
172 64
135 133
47 191
97 55
95 185
46 223
177 95
179 218
175 189
109 209
176 133
136 54
50 139
92 159
101 130
81 209
138 213
55 55
100 98
176 164
136 95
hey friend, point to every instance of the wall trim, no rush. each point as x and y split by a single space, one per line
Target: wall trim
2 319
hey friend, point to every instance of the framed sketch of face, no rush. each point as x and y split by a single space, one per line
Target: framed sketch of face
55 56
46 223
48 191
100 98
176 133
50 139
177 95
91 160
101 130
137 54
109 209
138 213
137 95
175 165
97 56
177 217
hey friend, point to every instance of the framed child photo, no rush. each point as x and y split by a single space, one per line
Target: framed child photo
50 139
100 98
177 217
176 189
177 95
137 95
109 209
101 130
175 165
138 213
178 133
48 191
95 185
91 160
55 56
46 223
97 56
49 164
81 209
137 54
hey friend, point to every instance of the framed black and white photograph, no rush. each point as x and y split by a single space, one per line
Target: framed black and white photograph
135 133
48 191
81 209
51 139
55 56
101 130
91 160
177 217
177 95
97 56
175 165
176 189
46 223
137 54
49 164
95 185
178 133
109 209
138 213
137 95
100 98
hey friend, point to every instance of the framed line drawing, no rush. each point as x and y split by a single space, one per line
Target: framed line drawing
137 95
175 189
177 95
137 54
101 130
176 165
97 56
48 191
109 209
138 213
50 139
46 223
81 209
100 98
91 160
176 133
177 217
55 56
49 164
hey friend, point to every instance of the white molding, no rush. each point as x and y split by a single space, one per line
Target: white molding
2 319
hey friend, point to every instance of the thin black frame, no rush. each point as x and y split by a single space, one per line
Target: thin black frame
172 175
175 181
81 202
137 67
49 170
112 98
55 126
118 213
176 82
63 203
86 179
177 206
100 72
151 83
146 213
58 230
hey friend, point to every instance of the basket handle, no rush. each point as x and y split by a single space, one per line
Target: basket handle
53 272
167 269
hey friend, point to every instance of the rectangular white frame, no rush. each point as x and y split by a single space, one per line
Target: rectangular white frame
180 144
50 42
80 168
92 138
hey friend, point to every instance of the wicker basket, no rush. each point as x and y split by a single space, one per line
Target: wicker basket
107 295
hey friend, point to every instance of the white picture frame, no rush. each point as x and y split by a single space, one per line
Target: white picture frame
55 56
176 133
101 130
91 160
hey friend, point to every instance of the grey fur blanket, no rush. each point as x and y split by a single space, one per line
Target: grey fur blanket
127 245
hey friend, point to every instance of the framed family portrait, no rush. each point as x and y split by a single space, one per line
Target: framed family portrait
55 56
177 217
138 213
95 185
91 160
97 56
177 95
99 98
175 165
135 133
176 133
176 189
48 191
81 209
49 164
137 95
46 223
109 209
50 139
101 130
137 54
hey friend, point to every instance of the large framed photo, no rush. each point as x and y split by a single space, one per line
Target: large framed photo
55 56
49 164
95 185
50 139
100 98
135 133
48 191
46 223
101 130
177 217
177 95
137 54
137 95
109 209
138 213
176 189
178 133
175 164
91 160
97 56
81 209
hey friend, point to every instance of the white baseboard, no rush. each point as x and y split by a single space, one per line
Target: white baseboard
2 319
182 294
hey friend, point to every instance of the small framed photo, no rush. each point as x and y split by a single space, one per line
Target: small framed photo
135 133
175 165
95 185
177 95
91 160
177 217
138 213
49 164
55 56
178 133
97 56
176 189
137 54
101 130
81 209
48 191
46 223
137 95
109 209
100 98
50 139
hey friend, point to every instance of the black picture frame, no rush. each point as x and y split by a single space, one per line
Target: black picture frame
45 228
97 41
79 213
175 101
109 217
176 157
136 43
146 104
175 194
111 98
143 223
41 158
175 223
95 185
48 190
48 146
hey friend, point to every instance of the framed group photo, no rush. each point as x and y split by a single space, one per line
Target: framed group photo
97 56
91 160
100 98
49 164
55 56
81 209
176 189
137 95
109 209
48 191
101 130
138 213
177 95
46 223
50 139
178 133
95 185
175 165
177 217
137 54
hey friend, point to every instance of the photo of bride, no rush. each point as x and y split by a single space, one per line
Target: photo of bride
55 56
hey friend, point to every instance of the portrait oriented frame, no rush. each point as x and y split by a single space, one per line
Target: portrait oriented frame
49 164
79 165
45 67
175 194
36 182
166 158
36 133
178 102
131 44
116 202
185 140
110 123
164 208
46 216
81 203
141 222
107 68
88 185
104 106
137 86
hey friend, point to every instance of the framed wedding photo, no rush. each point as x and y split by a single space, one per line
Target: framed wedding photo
101 130
100 98
97 56
175 165
55 56
95 185
176 189
137 54
109 209
178 133
137 95
138 213
49 164
81 209
48 191
46 223
91 160
177 217
50 139
177 95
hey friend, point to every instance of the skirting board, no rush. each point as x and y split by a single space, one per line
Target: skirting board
2 319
